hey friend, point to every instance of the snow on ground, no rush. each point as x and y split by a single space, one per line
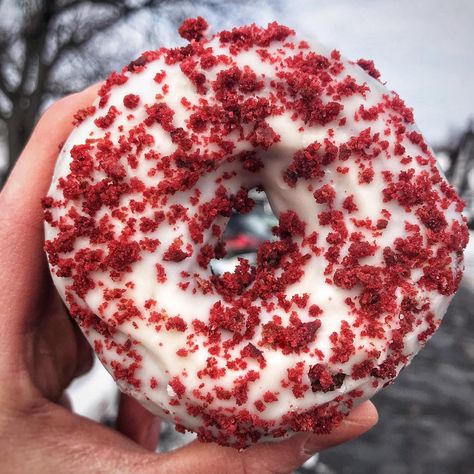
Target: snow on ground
95 394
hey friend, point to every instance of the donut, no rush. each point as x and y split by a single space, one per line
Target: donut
366 256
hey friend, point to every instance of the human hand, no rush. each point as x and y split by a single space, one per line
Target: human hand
42 351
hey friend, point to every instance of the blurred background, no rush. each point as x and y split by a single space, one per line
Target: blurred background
49 48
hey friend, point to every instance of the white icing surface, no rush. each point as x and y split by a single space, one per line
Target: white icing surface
158 348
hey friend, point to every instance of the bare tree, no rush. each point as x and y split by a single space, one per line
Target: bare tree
34 46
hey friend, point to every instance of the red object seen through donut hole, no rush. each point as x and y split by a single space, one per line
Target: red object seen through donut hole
244 233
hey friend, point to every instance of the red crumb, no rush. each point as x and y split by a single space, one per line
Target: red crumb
193 28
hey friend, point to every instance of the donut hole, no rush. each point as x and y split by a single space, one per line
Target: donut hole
244 233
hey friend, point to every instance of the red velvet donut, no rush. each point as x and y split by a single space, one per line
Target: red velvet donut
364 261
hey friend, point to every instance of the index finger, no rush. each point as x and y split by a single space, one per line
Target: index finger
22 261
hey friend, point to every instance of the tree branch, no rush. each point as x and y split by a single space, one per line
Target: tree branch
123 11
67 6
4 86
5 46
35 33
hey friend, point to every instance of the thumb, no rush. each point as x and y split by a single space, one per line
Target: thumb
280 457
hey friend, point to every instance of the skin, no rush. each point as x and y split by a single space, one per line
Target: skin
42 351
